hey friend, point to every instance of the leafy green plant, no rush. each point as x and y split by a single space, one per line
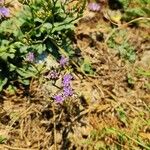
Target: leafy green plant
143 72
122 115
86 67
38 27
2 139
130 80
127 137
136 8
125 49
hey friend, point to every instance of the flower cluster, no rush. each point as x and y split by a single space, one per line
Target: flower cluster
30 57
94 7
59 98
63 61
53 75
66 80
67 89
4 12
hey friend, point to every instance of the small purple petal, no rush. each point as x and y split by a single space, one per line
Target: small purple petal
66 80
94 6
63 61
67 91
4 12
30 57
59 98
53 75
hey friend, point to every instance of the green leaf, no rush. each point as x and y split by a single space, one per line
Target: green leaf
46 27
2 83
86 67
143 72
59 27
125 3
39 48
122 115
2 139
24 49
12 67
24 81
5 55
27 73
11 89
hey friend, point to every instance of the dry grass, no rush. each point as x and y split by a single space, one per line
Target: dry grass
107 112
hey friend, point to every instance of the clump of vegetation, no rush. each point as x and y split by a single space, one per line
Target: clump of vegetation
138 8
120 43
61 80
37 27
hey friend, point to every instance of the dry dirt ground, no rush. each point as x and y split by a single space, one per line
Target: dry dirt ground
109 110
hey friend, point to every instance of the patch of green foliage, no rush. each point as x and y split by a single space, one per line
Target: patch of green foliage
2 139
86 67
130 80
142 72
145 74
38 27
122 140
136 8
125 49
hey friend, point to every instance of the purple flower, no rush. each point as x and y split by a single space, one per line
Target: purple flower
30 57
4 12
66 80
53 75
63 61
94 6
67 91
59 98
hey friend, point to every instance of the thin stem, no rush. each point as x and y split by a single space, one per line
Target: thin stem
124 25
